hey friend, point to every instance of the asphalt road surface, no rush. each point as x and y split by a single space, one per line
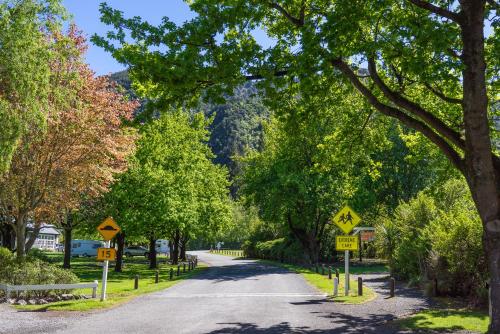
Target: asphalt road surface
233 296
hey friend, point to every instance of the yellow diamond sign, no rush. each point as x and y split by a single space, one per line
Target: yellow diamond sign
108 228
346 219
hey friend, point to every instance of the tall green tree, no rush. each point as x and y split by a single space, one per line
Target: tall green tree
26 53
313 159
410 46
172 189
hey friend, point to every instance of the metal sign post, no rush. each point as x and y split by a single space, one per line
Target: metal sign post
346 287
108 229
105 275
346 219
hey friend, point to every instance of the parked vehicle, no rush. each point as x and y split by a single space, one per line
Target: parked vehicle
85 248
59 248
162 247
136 251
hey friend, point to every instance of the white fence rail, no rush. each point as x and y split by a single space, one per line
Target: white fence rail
13 288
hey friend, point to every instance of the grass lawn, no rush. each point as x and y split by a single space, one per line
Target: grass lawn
447 321
322 283
120 285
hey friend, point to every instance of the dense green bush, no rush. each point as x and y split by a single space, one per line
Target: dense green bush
437 236
31 271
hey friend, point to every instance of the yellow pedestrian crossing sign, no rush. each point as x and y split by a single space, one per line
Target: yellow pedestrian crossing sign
346 219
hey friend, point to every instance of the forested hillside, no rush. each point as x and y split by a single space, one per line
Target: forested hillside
236 126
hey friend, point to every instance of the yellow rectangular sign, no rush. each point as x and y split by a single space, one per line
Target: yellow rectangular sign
344 242
106 254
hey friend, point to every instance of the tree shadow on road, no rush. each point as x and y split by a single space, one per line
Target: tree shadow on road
236 272
373 324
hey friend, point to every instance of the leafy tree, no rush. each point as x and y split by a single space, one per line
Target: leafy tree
172 188
430 67
311 163
78 153
25 57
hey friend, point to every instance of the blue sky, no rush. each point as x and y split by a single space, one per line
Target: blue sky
86 15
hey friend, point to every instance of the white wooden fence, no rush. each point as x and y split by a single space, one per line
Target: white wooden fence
13 288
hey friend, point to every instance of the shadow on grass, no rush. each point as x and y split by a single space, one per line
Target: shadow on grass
447 321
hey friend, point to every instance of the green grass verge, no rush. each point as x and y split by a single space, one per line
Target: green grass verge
322 283
120 287
447 321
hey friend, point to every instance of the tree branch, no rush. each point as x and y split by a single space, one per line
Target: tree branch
298 22
411 122
442 96
414 108
437 10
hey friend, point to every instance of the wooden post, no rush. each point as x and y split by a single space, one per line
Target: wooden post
335 287
392 286
136 282
183 267
360 286
337 273
329 272
171 273
94 290
157 277
178 269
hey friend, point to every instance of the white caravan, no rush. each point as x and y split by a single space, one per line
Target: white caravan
162 246
85 247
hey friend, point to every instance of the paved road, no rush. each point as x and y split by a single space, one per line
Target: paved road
233 296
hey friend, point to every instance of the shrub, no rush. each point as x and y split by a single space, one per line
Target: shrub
31 271
437 237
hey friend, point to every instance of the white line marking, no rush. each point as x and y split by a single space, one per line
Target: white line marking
235 295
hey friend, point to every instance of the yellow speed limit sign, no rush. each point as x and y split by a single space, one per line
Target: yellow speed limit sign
346 242
106 254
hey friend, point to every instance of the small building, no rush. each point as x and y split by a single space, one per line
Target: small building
47 239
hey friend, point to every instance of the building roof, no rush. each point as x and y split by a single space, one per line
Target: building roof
46 229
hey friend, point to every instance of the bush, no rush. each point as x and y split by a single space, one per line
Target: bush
31 271
438 237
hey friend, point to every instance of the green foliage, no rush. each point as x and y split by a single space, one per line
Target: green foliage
437 235
172 183
25 57
31 270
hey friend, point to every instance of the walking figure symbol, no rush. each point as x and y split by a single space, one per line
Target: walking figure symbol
346 218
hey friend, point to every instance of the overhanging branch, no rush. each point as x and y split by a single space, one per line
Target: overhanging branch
414 108
437 10
409 121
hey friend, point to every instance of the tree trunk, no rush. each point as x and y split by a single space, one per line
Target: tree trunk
183 244
20 235
32 238
482 176
152 253
175 248
68 237
120 240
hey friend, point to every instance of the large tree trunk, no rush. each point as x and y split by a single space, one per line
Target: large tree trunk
32 238
183 245
152 253
480 172
68 237
175 248
20 235
120 240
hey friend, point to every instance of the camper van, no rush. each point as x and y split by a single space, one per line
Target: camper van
162 247
85 247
